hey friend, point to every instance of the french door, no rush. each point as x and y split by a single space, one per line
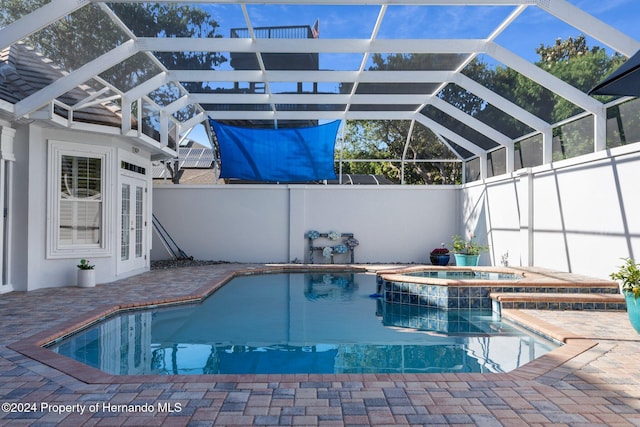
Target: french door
133 224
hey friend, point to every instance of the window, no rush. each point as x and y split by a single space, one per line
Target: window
80 201
77 200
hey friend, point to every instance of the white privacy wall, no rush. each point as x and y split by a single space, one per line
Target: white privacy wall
267 223
581 216
224 223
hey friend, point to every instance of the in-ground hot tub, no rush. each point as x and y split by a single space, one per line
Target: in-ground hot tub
447 287
470 287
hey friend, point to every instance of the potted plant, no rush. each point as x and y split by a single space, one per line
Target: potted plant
440 256
86 274
467 252
628 276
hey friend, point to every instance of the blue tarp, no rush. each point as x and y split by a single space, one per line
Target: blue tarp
277 155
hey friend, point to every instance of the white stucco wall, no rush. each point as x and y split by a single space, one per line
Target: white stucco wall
581 216
267 223
249 224
29 266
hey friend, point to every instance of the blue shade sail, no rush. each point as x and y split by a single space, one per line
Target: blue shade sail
277 155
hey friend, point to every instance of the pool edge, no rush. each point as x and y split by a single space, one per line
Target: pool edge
33 346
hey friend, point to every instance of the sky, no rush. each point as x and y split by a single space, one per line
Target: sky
357 21
533 28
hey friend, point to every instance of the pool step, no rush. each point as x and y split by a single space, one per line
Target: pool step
558 301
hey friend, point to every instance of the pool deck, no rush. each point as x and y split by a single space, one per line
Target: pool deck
593 380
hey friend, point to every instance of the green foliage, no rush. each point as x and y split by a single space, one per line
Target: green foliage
386 140
570 60
72 41
172 20
467 247
85 265
629 276
573 62
623 122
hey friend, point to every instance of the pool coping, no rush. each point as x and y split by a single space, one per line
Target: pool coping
532 277
33 346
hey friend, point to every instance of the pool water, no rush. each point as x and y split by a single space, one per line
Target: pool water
301 323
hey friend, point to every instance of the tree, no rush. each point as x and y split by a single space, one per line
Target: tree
573 62
386 139
173 20
570 60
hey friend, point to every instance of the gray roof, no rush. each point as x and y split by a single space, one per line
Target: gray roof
24 72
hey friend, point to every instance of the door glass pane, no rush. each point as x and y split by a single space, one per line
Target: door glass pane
139 220
124 237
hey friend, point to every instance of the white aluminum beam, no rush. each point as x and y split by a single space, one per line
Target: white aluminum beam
96 102
246 45
92 99
70 81
309 115
600 131
501 103
147 86
448 145
125 124
439 129
178 104
235 98
312 76
192 122
591 26
470 121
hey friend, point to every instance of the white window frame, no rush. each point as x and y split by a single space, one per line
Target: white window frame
55 249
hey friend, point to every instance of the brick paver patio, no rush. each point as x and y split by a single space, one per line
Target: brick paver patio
593 380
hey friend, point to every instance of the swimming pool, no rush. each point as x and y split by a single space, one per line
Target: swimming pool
301 323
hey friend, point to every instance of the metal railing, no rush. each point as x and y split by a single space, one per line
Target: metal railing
284 32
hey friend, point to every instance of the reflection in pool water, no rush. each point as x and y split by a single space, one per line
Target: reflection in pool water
301 323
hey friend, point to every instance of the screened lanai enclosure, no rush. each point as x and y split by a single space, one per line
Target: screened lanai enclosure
400 123
422 99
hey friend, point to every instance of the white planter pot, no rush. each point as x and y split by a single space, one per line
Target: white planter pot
86 278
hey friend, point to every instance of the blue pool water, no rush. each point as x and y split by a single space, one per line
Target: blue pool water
301 323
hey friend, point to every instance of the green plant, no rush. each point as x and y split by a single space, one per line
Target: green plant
467 247
84 265
628 275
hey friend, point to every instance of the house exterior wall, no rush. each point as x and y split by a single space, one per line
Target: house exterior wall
267 223
30 267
